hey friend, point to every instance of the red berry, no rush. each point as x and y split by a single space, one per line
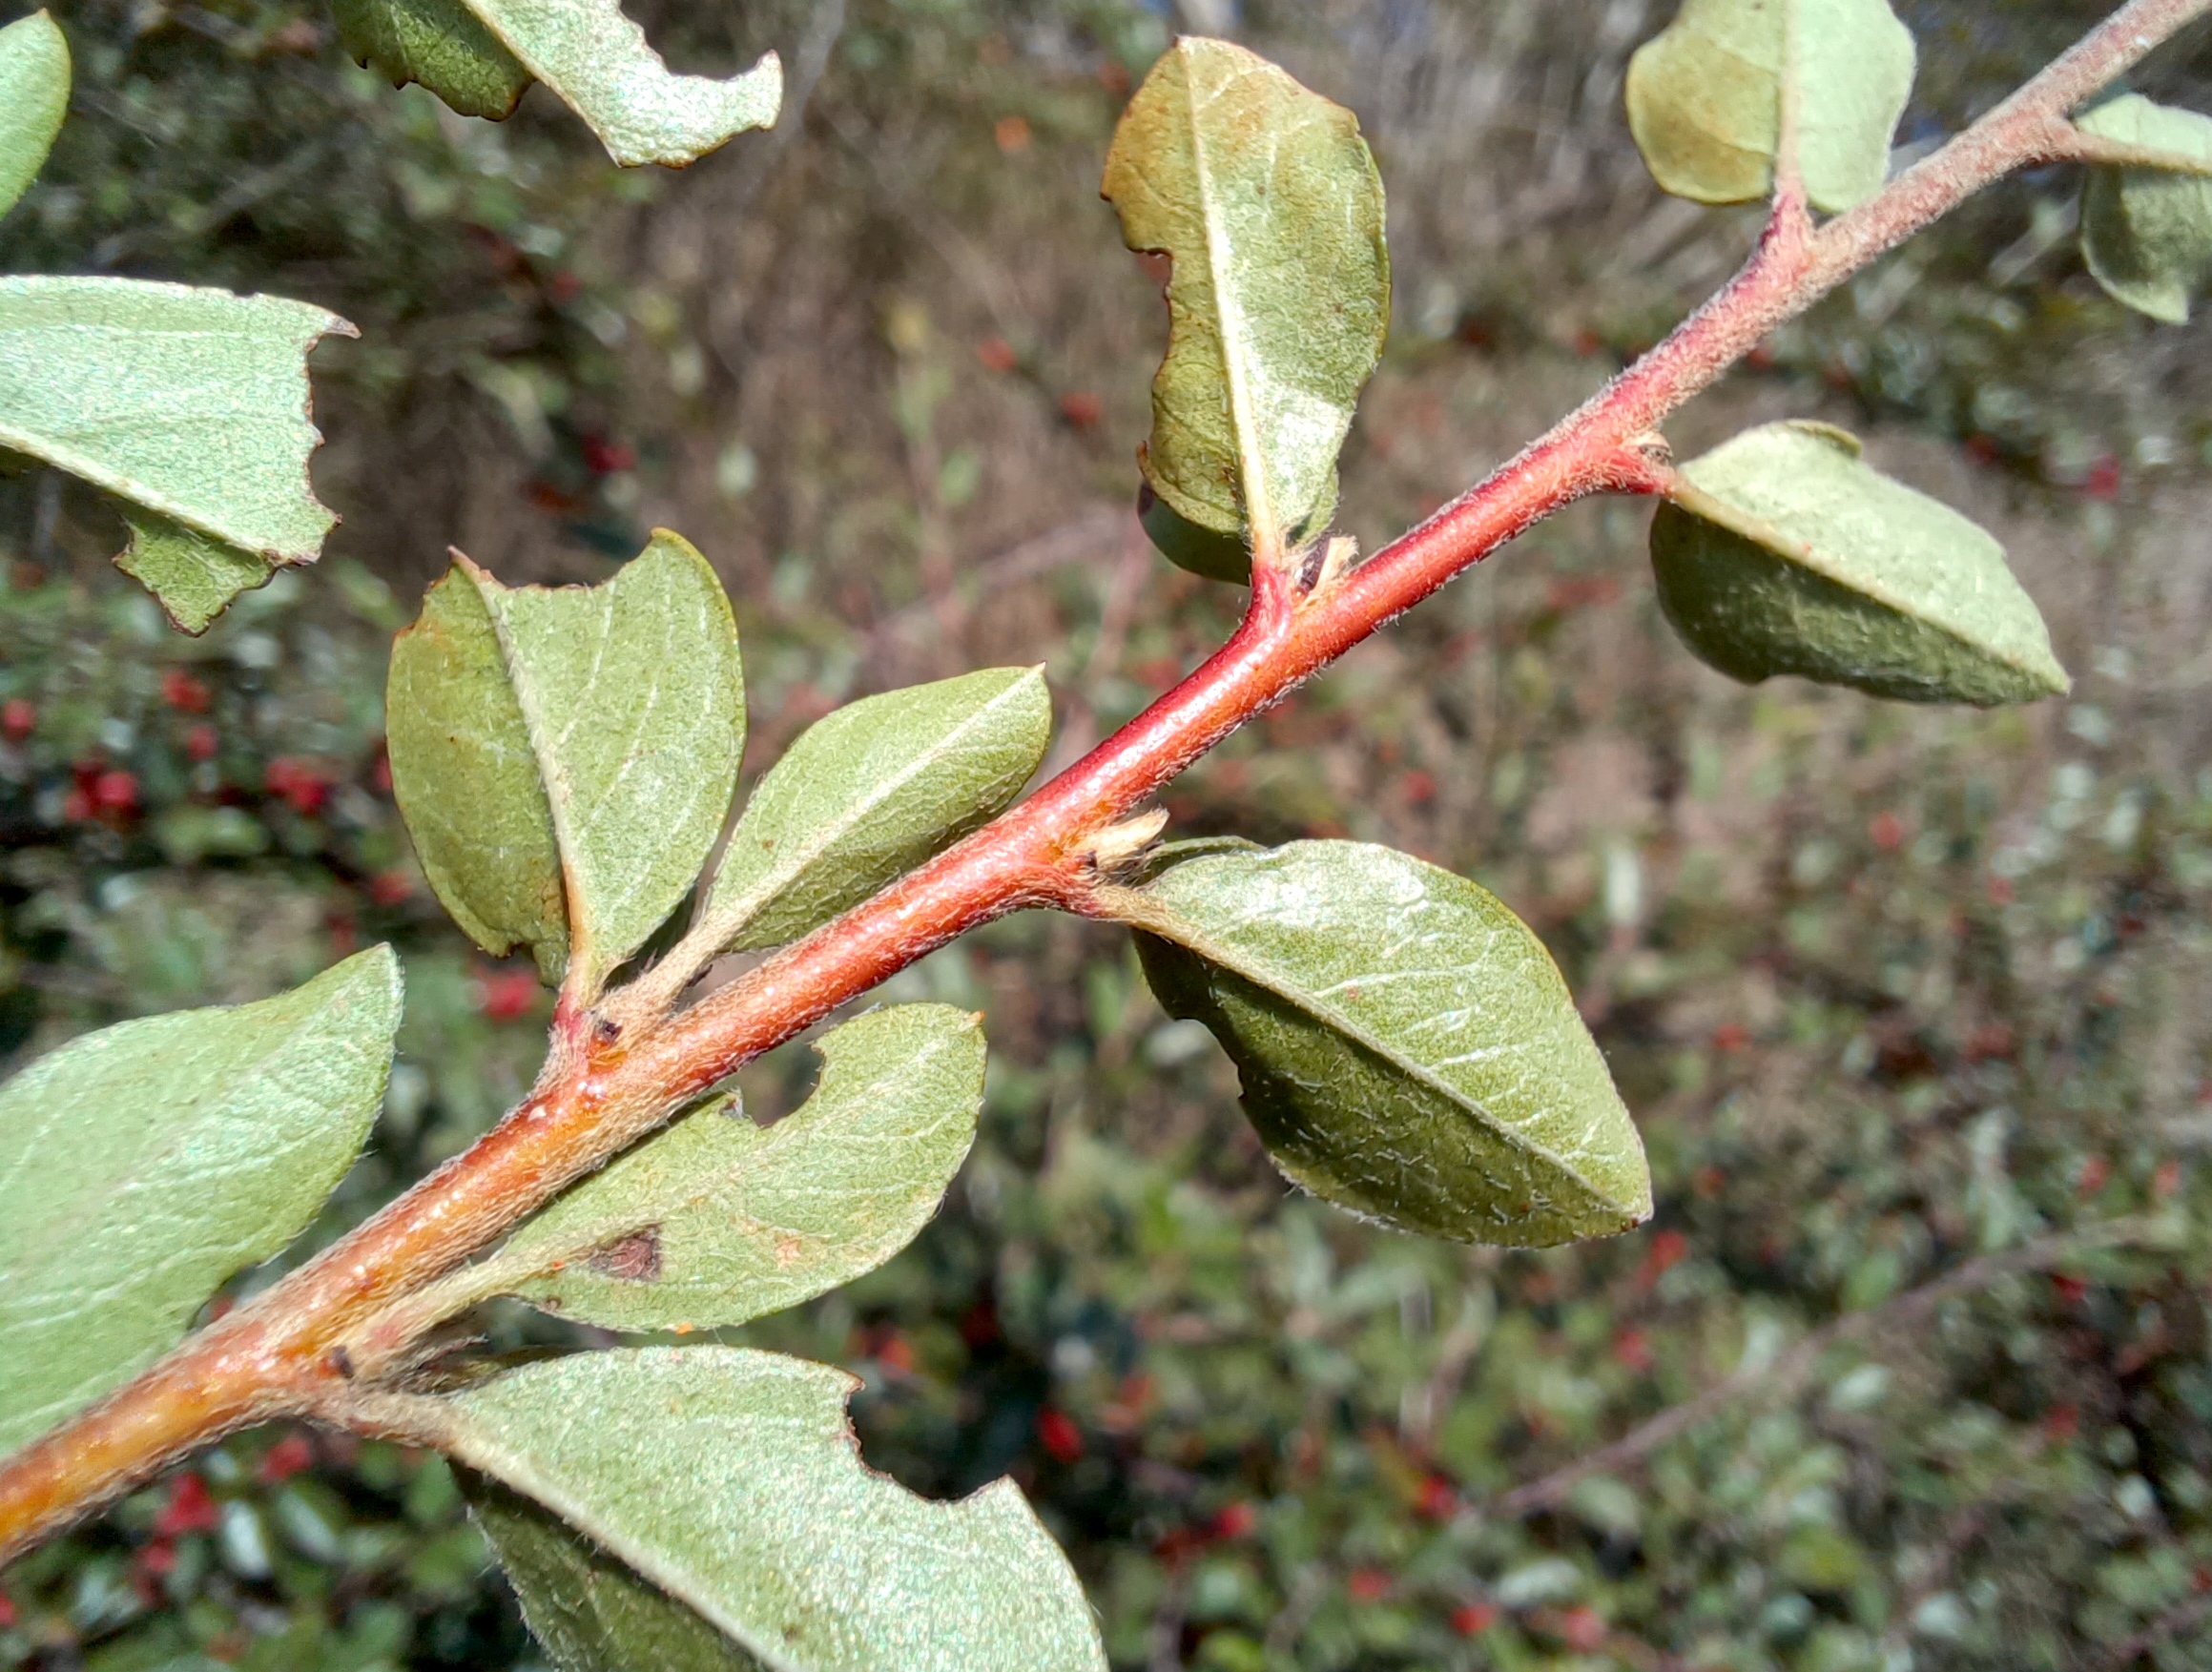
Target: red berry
1235 1521
201 742
18 719
1082 408
181 691
997 354
1440 1499
1886 832
1582 1630
2094 1171
1667 1252
116 793
191 1508
505 994
390 888
1731 1036
606 457
1474 1619
1367 1584
1057 1433
7 1614
287 1457
1632 1347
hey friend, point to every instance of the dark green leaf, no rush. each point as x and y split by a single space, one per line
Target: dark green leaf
142 1166
1705 97
871 791
572 744
1789 554
2146 234
190 405
731 1480
588 1611
1407 1045
439 43
34 99
716 1221
1268 200
598 63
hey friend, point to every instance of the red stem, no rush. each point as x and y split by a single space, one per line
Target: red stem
308 1343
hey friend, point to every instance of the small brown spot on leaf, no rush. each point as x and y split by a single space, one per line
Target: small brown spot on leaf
632 1259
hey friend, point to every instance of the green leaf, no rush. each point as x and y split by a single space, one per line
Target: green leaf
142 1166
1268 200
1408 1048
600 724
1704 99
439 43
2146 234
599 64
34 101
869 792
588 1611
188 403
731 1480
195 575
715 1220
1788 554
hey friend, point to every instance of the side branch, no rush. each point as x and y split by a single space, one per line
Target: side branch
312 1343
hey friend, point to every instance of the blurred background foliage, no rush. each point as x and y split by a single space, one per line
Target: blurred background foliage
1912 1369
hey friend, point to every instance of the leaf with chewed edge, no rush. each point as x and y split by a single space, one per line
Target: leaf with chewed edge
731 1480
1407 1046
144 1164
439 43
716 1221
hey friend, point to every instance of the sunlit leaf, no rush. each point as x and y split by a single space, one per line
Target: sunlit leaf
598 61
1705 97
1268 200
575 745
2146 234
588 1611
731 1480
1789 554
441 44
716 1221
142 1166
190 405
1408 1048
195 575
34 73
869 792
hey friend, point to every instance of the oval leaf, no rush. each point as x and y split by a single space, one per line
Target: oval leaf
1268 202
588 1611
715 1220
1408 1048
2146 234
190 405
1705 97
439 43
631 703
597 61
34 99
1790 555
870 792
142 1166
732 1480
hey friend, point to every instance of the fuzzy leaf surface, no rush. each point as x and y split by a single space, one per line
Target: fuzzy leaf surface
2146 234
869 792
195 575
466 779
730 1478
1792 555
34 73
441 44
144 1164
1268 200
1704 99
564 756
716 1220
1408 1048
600 65
588 1611
189 403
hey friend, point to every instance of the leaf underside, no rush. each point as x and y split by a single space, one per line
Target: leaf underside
1268 202
716 1221
1793 556
869 792
441 44
1407 1046
34 75
2146 236
142 1166
1704 99
731 1480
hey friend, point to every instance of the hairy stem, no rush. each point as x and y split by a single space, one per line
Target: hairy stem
313 1342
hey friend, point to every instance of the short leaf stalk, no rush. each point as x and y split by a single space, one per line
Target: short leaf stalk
318 1343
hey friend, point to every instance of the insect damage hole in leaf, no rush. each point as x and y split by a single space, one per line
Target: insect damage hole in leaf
1785 552
1267 203
1408 1048
1706 97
